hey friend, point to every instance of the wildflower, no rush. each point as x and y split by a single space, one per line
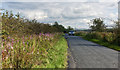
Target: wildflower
2 45
23 42
48 35
32 52
11 47
3 51
9 44
31 37
3 40
43 34
12 42
39 33
39 36
17 40
12 39
27 43
23 37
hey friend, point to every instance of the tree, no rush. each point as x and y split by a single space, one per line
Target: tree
15 24
56 24
69 28
60 28
97 25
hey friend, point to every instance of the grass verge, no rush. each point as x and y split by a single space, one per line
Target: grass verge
57 56
106 44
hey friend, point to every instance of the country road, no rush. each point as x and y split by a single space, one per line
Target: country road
86 54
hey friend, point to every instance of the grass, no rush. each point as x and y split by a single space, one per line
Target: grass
106 44
57 57
34 51
99 39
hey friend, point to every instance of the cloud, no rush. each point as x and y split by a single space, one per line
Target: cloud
72 14
60 0
35 14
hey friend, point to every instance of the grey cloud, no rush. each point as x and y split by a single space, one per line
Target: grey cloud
73 14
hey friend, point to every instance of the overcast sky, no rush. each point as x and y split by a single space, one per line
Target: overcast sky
74 13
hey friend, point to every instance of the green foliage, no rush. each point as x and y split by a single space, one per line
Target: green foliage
80 33
94 35
14 24
97 25
112 46
57 57
103 36
110 37
34 51
70 28
107 39
30 44
60 28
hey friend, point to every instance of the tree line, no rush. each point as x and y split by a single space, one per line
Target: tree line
15 24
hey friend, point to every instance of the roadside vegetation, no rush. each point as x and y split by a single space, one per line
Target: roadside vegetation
102 35
31 44
35 51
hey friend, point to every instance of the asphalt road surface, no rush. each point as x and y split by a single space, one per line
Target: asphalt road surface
86 54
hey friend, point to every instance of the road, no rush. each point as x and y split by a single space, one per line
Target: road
86 54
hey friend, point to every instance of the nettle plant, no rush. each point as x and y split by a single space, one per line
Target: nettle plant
26 51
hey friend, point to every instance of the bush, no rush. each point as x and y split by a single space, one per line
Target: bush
94 35
80 33
110 37
103 36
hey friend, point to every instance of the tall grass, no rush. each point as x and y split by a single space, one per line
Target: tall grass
29 51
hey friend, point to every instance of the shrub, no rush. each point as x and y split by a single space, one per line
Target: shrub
94 35
103 36
110 37
80 33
